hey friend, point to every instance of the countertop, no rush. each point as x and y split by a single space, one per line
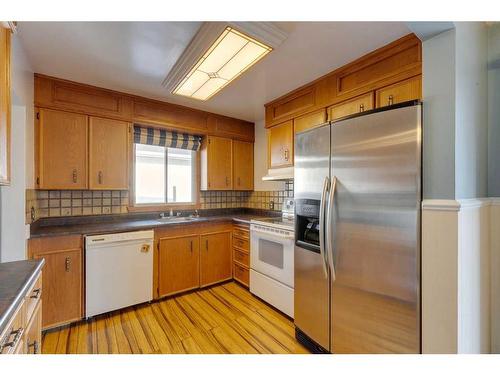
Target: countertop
130 222
15 280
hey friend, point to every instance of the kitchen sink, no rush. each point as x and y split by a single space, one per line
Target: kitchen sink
175 219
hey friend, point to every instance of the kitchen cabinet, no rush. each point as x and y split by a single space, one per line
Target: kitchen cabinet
33 335
280 145
242 165
217 163
108 154
62 278
5 103
400 92
62 150
241 253
358 104
215 257
179 266
309 121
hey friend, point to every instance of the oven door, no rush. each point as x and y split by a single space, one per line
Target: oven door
272 253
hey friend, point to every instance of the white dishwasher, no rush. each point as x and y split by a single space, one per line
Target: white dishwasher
118 271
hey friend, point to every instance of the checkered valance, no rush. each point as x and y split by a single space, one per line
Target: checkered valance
161 137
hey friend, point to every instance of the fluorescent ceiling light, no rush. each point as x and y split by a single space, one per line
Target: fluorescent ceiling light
229 56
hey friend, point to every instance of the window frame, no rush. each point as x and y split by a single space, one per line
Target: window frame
138 207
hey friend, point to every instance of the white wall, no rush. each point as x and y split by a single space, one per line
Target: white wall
439 116
494 110
471 108
12 212
260 161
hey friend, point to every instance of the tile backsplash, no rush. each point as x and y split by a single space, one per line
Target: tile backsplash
52 203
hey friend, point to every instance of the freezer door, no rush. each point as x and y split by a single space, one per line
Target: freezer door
311 300
374 224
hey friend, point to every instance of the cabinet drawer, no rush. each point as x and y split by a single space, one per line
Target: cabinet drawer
241 257
11 337
33 335
400 92
359 104
241 274
241 243
32 297
241 233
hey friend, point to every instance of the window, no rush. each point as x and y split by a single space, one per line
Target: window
164 175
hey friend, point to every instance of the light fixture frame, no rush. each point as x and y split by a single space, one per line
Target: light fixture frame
263 32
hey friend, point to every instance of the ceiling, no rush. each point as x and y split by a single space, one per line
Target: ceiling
135 57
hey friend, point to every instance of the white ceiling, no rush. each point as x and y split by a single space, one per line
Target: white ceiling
135 57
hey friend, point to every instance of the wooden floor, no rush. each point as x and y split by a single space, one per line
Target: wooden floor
222 319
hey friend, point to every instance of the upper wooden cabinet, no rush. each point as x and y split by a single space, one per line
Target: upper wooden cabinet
62 278
62 150
54 93
358 104
280 145
242 165
215 258
178 264
385 66
4 106
400 92
309 120
216 163
108 154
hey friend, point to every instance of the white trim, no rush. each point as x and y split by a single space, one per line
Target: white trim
440 205
495 201
474 202
264 32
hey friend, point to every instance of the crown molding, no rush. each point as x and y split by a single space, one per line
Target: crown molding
264 32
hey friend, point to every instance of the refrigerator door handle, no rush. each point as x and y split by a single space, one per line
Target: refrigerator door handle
329 225
322 226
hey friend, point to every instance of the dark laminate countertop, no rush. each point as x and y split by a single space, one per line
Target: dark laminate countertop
15 280
129 222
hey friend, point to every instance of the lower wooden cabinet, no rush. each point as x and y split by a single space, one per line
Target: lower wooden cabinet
403 91
215 258
33 336
62 277
179 265
241 253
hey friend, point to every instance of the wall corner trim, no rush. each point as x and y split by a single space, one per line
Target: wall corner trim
440 205
474 202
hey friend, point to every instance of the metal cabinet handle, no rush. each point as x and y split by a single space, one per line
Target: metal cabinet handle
286 154
361 107
17 335
35 345
227 181
391 100
239 183
67 264
191 244
75 176
36 293
206 245
99 177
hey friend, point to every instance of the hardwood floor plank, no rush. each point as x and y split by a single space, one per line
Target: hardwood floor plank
224 318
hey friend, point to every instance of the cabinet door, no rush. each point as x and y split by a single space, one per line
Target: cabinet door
280 145
242 165
108 154
62 150
309 121
62 293
33 335
179 266
4 106
220 167
400 92
215 258
358 104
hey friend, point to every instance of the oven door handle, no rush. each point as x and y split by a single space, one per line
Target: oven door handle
322 228
329 224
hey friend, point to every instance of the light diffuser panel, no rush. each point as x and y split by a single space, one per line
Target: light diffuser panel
229 56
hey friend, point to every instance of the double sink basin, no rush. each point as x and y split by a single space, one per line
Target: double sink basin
177 219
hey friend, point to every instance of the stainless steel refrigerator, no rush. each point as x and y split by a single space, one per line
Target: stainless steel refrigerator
357 246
